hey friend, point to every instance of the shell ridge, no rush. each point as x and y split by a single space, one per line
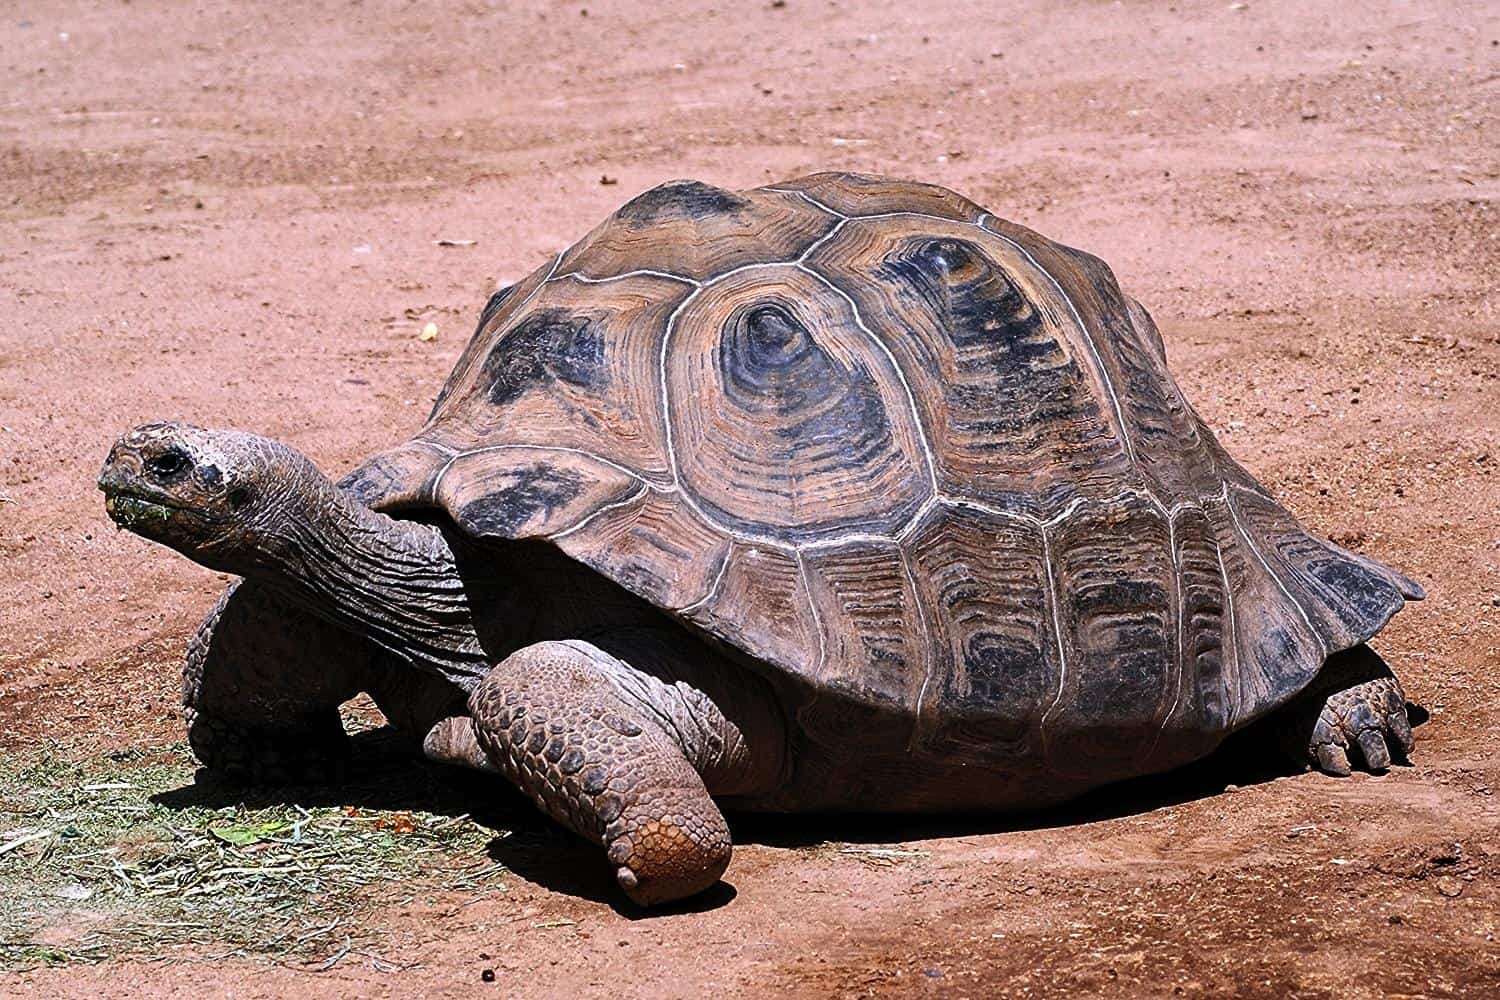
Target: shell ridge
1175 603
605 509
1062 652
589 279
812 606
713 588
1232 635
929 648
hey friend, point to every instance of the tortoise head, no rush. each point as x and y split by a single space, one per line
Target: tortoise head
221 498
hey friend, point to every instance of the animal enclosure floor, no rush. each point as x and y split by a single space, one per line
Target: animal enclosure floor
247 215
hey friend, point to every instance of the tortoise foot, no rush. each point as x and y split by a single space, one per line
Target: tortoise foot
1355 716
553 719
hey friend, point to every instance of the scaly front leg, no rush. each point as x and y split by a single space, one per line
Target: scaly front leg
261 687
625 756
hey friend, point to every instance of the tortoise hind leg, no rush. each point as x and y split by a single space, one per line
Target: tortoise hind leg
1354 704
623 757
261 687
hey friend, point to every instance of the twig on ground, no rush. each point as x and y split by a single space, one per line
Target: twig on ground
335 958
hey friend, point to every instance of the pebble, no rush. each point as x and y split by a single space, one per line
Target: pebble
1449 886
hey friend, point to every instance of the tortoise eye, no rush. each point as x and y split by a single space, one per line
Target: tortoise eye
772 336
168 465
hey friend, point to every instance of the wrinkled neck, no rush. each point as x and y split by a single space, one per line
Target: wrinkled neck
397 583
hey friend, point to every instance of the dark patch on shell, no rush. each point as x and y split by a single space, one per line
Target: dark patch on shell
958 279
681 199
1370 598
537 489
772 365
549 345
493 305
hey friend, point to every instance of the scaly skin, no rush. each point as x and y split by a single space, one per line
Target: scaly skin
1355 703
262 682
552 721
261 686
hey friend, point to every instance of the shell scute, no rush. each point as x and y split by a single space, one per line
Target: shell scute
987 342
506 492
873 636
760 603
1204 700
1277 649
1347 598
565 370
866 194
653 544
786 419
1114 589
698 232
983 580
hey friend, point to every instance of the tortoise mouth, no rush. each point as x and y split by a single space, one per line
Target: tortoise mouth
137 509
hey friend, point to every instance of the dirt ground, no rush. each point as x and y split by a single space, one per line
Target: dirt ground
228 213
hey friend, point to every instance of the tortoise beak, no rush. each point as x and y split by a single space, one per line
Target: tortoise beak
121 473
122 465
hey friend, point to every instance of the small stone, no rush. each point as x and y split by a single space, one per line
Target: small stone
1449 886
488 975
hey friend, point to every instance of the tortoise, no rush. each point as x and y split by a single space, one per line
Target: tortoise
840 493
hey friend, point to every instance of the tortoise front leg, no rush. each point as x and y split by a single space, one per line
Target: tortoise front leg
617 755
261 687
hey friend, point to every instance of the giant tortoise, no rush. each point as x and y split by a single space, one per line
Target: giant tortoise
835 494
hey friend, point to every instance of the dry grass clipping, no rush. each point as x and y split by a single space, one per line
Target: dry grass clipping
121 854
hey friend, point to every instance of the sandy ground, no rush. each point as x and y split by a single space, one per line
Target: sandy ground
228 214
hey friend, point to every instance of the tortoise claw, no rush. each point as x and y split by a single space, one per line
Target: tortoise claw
1332 760
1372 745
1364 710
1398 727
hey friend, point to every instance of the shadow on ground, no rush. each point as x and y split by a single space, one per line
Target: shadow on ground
382 774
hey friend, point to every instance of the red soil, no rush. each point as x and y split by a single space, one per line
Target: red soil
227 213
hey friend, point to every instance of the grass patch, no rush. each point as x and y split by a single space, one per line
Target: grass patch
122 854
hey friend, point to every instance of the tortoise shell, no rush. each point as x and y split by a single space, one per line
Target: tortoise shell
903 451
